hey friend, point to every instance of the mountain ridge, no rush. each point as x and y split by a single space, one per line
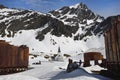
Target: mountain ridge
46 32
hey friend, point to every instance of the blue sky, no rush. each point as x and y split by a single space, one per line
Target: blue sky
102 7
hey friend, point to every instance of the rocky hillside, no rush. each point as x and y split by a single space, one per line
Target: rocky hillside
78 15
14 20
71 25
106 24
77 19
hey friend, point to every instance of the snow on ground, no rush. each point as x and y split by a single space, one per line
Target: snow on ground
93 68
51 43
17 77
49 70
53 70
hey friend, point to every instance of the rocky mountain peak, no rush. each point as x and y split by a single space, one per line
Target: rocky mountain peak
75 9
83 5
80 16
78 13
79 6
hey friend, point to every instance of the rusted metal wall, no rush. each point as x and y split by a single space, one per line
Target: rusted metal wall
13 56
92 56
112 46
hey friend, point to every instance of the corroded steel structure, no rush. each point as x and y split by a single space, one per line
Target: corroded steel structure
92 56
13 58
112 45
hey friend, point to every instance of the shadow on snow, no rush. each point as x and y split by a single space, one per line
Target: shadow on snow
76 73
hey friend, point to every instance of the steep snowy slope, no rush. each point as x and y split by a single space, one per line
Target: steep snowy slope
51 43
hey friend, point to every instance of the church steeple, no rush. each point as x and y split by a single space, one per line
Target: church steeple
59 51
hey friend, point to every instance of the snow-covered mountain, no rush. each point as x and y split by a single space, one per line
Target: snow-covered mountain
70 28
78 15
